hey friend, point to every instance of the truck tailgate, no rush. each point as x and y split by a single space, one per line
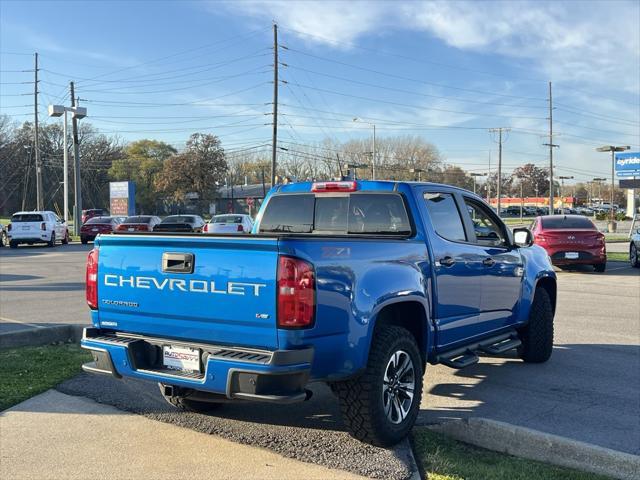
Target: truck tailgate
210 289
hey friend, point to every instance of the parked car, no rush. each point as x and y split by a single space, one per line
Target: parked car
358 283
97 225
4 239
37 227
138 223
571 240
634 249
94 212
180 223
229 223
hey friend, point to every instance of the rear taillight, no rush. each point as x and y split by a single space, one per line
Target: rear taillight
296 293
541 238
240 228
205 228
43 226
92 279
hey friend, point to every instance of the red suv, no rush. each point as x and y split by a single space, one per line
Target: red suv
571 240
94 212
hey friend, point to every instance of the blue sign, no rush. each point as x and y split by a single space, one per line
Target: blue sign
627 164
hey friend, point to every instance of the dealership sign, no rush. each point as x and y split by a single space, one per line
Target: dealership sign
122 198
627 164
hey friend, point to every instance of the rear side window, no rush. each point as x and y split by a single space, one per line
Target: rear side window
26 217
358 213
445 216
555 223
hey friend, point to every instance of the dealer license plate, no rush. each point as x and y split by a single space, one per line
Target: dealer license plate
94 229
181 358
571 255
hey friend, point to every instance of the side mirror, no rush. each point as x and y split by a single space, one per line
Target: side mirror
522 237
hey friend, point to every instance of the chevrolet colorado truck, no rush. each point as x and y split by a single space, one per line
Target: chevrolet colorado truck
359 284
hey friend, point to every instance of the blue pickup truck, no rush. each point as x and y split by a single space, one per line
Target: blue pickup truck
359 284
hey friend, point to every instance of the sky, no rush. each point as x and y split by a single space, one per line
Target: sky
446 71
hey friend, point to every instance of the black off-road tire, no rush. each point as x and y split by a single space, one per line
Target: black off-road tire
188 405
634 256
537 335
52 242
600 267
13 244
361 399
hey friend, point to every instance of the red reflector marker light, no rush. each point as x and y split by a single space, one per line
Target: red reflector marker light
92 279
296 293
240 228
43 226
334 187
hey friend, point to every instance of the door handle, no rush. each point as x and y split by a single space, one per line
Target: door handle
489 262
447 261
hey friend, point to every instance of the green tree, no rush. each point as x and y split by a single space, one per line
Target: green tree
194 171
142 163
534 180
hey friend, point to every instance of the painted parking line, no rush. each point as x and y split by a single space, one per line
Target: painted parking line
11 320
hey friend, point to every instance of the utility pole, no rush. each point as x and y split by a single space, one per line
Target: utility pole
551 146
77 188
274 140
373 158
499 179
36 141
489 178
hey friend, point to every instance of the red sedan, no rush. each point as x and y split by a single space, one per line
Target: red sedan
571 240
97 225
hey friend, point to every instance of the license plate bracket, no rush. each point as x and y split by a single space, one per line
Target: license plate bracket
181 358
571 255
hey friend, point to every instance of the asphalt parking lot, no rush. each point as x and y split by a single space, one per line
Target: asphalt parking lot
588 391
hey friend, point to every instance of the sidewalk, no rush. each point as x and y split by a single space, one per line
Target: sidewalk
59 436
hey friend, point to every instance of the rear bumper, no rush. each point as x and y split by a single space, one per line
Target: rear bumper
588 257
278 376
45 236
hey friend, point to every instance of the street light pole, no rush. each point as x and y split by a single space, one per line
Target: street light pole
65 173
474 175
562 179
612 149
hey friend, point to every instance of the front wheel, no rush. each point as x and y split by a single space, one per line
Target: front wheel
381 405
633 256
537 335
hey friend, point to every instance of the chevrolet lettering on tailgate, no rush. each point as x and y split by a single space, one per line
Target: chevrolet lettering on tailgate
179 284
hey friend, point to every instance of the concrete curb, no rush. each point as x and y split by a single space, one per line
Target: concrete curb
544 447
34 337
404 452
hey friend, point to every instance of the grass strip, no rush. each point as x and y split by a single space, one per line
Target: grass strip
28 371
443 458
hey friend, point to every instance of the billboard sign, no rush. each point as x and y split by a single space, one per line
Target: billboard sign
627 164
122 198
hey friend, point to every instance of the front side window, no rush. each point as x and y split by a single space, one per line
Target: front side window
445 216
485 227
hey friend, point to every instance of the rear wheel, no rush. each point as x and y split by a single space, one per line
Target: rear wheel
537 335
84 240
13 244
633 256
381 405
183 402
600 267
52 241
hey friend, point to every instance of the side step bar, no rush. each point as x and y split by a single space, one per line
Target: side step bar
468 355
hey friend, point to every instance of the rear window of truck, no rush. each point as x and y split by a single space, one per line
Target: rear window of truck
26 217
356 213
